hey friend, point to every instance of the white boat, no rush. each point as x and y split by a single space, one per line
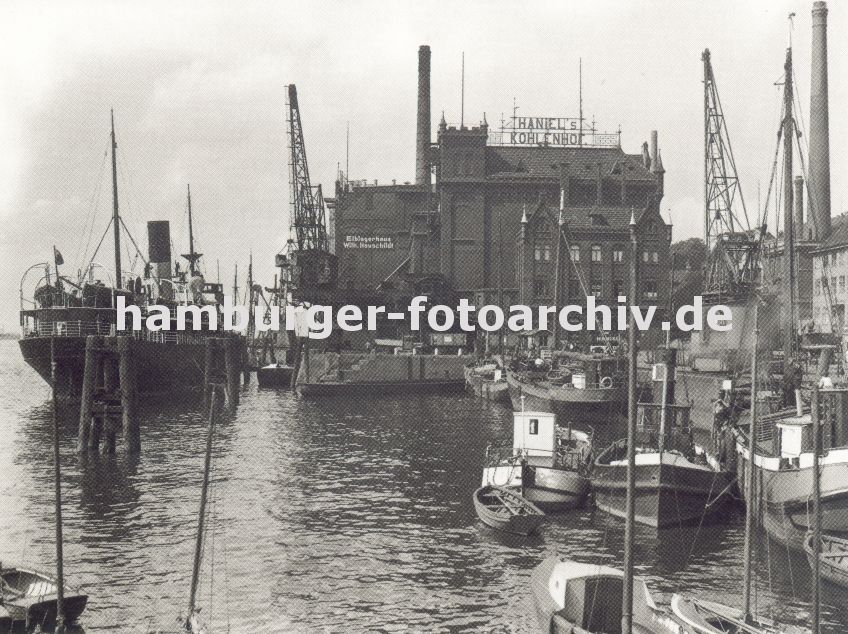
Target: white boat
550 464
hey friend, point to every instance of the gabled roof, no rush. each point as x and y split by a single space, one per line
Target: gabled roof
597 218
838 233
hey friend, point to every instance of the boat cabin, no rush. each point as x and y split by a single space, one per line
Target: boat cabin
534 433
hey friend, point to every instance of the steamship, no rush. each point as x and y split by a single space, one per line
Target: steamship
62 312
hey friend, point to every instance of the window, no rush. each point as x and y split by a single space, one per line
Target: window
596 289
534 427
841 283
617 254
833 282
645 256
547 253
817 287
833 259
649 290
596 253
540 287
575 253
655 257
617 289
538 253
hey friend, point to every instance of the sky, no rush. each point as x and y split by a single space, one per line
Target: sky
198 91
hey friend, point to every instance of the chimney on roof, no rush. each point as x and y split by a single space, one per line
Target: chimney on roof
646 156
819 171
422 141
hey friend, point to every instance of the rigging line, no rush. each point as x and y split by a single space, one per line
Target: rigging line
138 251
94 201
103 237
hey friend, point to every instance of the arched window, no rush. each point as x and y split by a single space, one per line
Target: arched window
575 253
596 253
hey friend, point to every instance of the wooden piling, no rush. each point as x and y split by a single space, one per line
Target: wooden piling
208 371
232 369
296 362
126 371
92 342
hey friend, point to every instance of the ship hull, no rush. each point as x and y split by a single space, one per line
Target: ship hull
161 366
786 506
668 493
568 403
491 390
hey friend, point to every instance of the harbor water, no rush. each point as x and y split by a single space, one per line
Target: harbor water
327 515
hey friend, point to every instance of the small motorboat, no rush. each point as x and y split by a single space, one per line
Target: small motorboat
29 597
706 617
550 464
275 375
833 558
572 597
505 510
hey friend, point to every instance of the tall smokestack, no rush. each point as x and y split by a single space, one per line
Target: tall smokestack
654 145
819 174
800 232
422 140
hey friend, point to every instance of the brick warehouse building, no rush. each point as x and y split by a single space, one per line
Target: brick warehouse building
479 221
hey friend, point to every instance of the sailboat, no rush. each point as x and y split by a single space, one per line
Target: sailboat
708 617
571 596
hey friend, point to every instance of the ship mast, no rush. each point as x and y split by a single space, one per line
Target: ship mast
191 256
116 218
790 290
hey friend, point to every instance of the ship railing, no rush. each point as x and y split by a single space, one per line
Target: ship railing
573 458
68 329
167 336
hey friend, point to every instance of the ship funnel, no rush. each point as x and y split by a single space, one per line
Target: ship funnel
159 250
819 172
422 140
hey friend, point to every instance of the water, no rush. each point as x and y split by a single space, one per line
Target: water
342 515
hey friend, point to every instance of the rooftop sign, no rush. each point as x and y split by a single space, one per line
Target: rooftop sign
553 131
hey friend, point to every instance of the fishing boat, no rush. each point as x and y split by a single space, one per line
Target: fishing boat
572 597
833 558
29 597
505 510
677 481
582 387
548 463
487 381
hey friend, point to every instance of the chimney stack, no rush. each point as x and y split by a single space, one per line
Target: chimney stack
654 146
819 172
422 141
799 208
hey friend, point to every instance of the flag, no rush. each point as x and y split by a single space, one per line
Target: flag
57 257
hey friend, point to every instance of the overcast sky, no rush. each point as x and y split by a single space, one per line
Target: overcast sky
198 93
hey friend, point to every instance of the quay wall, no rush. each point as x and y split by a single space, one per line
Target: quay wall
370 368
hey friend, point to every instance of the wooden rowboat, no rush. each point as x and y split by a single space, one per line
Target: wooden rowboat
505 510
707 617
29 597
833 558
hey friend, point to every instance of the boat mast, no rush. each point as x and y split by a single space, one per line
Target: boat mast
201 516
191 259
750 508
116 218
789 329
60 575
817 449
558 257
630 509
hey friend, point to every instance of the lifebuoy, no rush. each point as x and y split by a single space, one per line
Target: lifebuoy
606 382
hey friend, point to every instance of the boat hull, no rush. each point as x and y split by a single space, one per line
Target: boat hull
29 597
552 490
785 504
568 403
161 366
668 493
489 389
274 376
524 523
833 560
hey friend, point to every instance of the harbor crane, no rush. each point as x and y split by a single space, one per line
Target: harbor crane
312 267
733 246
